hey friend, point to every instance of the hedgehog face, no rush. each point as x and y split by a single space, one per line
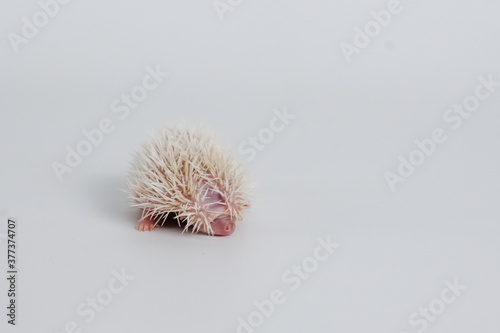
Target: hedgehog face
219 218
223 225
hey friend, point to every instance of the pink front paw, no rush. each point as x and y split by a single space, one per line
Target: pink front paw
146 224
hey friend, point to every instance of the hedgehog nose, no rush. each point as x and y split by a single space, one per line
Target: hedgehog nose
229 229
223 227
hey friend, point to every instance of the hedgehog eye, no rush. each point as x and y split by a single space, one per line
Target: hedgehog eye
222 218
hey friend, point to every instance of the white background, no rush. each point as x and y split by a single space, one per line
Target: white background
322 175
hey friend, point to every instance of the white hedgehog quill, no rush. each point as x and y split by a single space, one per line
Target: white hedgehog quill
191 173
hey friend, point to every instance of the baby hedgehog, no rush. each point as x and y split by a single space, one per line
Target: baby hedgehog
191 173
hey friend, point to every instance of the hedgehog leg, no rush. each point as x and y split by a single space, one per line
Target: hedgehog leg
146 224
